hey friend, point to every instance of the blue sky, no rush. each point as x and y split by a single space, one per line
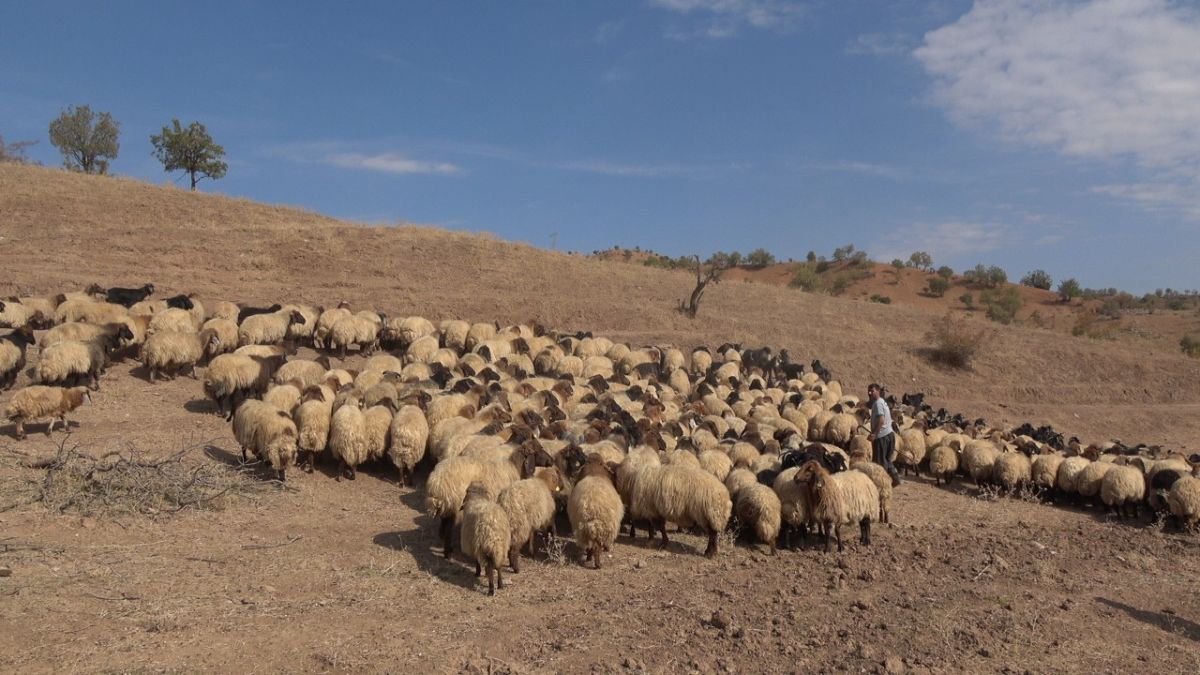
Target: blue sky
1058 134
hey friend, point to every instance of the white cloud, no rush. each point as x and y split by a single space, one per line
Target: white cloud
948 239
879 44
723 18
1102 80
880 170
388 162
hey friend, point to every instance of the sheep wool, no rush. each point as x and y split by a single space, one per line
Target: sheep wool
38 402
485 535
595 510
71 359
1011 470
1184 501
530 507
409 434
1123 488
759 508
883 482
348 441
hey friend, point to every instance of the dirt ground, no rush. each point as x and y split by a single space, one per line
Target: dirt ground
344 577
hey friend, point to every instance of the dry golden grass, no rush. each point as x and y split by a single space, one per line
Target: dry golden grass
63 231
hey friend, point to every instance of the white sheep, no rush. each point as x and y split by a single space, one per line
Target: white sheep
176 351
595 510
409 435
837 499
530 506
485 535
37 402
268 329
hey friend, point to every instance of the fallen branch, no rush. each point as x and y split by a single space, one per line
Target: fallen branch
258 547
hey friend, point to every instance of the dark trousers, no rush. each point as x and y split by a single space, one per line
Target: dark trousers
882 449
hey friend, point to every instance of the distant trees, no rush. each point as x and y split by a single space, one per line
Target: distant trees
1069 289
987 277
189 149
14 153
921 260
1038 279
760 257
843 252
86 140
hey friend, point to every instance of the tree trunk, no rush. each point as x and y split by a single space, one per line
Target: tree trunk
193 175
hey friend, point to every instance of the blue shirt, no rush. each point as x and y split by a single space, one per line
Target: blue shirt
879 409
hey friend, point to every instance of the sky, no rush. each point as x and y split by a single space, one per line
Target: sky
1053 134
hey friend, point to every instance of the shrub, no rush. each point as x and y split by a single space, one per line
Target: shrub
1038 279
822 265
1002 305
1190 346
881 299
921 260
898 264
760 257
996 276
805 278
938 286
967 300
811 257
955 340
839 286
1111 309
859 257
1069 289
945 271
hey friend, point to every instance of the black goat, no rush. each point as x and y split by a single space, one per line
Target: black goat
251 311
821 371
782 365
128 297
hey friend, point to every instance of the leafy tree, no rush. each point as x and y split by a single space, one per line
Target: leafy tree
859 257
192 150
760 257
842 252
921 260
811 257
996 276
938 286
1069 289
86 140
967 300
1038 279
945 272
898 264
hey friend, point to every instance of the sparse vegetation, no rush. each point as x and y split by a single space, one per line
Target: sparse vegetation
843 252
760 257
955 340
190 150
1038 279
967 300
881 299
14 153
937 287
945 272
1002 305
1190 346
921 260
86 140
806 278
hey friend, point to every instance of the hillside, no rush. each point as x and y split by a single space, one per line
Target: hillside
319 575
63 230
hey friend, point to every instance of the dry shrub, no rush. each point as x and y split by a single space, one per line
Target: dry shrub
128 482
955 340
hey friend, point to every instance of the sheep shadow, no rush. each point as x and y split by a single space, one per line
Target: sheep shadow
38 429
201 405
425 547
1167 622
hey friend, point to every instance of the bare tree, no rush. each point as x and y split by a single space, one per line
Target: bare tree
707 273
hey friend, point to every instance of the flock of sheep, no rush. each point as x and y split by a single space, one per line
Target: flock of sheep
519 424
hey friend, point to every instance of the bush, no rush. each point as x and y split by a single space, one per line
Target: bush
945 271
805 278
839 286
898 264
967 300
921 260
1002 305
1190 346
1038 279
822 265
811 257
760 257
955 340
996 276
938 286
881 299
1069 289
842 252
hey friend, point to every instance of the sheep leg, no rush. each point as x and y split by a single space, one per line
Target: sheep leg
514 559
244 458
192 371
153 374
532 546
596 557
661 524
50 426
864 528
837 533
282 477
478 569
711 550
353 475
447 528
499 575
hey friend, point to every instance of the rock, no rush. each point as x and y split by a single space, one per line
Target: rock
739 633
637 565
720 620
5 572
862 604
893 665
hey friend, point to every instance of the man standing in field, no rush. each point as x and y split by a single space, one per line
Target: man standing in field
883 439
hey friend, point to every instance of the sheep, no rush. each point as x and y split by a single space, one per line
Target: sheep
837 499
595 510
1123 487
1068 470
325 322
310 373
72 360
683 495
226 333
128 297
37 402
176 351
267 329
348 439
716 462
286 396
226 311
883 482
421 350
267 431
758 507
312 418
911 450
1044 472
301 333
409 434
173 319
85 332
530 506
400 333
89 311
840 429
383 363
978 458
41 310
377 424
1089 480
154 307
1011 470
485 536
454 334
232 377
793 503
12 355
1184 501
361 329
13 314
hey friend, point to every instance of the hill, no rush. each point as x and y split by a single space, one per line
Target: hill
328 576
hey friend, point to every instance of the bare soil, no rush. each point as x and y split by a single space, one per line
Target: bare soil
345 577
